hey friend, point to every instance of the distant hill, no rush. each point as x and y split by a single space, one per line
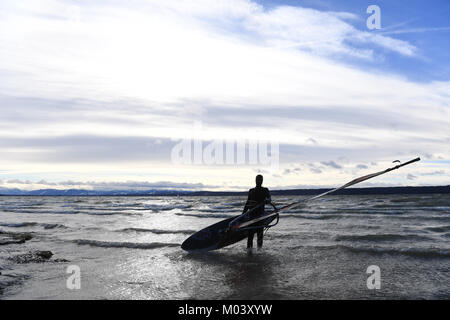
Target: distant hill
82 192
159 192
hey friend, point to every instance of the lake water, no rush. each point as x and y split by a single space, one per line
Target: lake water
129 248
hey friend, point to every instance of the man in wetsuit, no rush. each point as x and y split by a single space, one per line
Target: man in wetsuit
256 196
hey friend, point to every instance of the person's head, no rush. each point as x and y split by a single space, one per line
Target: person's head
259 180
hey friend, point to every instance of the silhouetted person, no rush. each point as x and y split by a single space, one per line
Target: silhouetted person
256 196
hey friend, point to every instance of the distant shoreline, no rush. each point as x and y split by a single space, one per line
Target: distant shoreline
299 192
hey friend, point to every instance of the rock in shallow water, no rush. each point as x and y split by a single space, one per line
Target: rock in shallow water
44 254
36 256
14 237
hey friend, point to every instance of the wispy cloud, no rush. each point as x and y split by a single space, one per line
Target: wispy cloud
415 30
331 164
325 33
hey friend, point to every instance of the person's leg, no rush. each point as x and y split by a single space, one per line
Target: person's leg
259 237
251 233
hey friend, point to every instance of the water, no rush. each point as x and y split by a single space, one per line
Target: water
128 248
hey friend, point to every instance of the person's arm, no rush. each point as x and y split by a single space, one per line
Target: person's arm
268 198
247 203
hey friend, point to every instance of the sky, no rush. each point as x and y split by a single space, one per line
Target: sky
103 94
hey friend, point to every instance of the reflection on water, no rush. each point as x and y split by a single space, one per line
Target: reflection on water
248 275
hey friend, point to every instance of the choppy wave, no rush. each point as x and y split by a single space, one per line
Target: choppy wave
438 228
372 211
415 252
101 209
312 216
328 216
32 224
7 238
382 237
43 211
166 207
129 245
376 250
72 212
205 215
234 204
19 225
415 199
11 279
122 205
156 231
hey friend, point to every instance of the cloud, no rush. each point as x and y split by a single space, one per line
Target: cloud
416 30
261 171
292 170
103 88
330 185
434 173
311 141
87 149
325 33
362 166
331 164
410 176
